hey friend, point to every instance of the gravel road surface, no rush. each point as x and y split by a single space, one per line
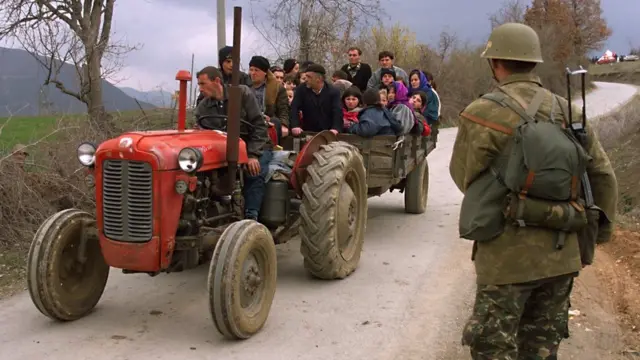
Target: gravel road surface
408 299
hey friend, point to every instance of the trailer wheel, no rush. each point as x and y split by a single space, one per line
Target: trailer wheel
417 189
66 282
242 279
333 212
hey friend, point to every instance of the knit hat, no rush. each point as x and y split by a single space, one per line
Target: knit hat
316 68
384 72
260 62
288 65
371 97
224 54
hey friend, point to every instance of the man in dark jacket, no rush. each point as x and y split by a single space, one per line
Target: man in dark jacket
259 146
358 73
319 103
271 95
225 61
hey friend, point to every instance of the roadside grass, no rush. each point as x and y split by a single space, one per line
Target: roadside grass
619 134
614 68
32 129
50 180
627 72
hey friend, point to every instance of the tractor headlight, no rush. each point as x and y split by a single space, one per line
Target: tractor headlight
189 159
87 154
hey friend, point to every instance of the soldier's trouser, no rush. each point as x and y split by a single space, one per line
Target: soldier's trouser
519 321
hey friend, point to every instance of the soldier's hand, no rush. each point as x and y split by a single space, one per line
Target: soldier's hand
267 119
285 131
253 166
296 131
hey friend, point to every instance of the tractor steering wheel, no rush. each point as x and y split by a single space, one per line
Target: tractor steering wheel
224 119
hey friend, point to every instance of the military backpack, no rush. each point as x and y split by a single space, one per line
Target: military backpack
539 175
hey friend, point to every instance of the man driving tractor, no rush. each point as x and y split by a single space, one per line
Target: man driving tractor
210 113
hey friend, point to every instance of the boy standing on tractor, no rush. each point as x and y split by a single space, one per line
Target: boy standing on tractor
209 115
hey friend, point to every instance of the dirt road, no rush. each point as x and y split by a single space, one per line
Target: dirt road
408 299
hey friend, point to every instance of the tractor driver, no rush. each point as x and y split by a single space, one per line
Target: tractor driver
259 146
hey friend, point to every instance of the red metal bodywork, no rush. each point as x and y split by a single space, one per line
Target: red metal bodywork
305 158
160 149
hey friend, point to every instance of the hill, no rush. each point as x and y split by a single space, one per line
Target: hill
159 98
22 92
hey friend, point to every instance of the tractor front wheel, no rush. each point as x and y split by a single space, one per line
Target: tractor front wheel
333 212
242 279
66 272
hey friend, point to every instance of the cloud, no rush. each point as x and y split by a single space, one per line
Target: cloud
169 34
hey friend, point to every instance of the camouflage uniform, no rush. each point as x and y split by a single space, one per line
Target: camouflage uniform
523 282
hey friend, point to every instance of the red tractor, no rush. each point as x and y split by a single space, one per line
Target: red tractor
167 201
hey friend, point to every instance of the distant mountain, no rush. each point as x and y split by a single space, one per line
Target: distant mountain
159 98
22 92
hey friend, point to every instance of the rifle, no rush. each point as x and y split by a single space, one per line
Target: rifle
579 129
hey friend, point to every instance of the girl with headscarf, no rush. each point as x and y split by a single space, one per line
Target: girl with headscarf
398 97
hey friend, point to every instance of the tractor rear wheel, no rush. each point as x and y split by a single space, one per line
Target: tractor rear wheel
416 191
65 277
333 212
242 279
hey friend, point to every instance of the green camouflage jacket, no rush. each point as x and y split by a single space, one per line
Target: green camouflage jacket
529 253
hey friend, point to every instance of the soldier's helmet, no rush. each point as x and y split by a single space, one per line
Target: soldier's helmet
513 41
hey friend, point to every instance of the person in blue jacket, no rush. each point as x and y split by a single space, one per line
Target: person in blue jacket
375 119
418 82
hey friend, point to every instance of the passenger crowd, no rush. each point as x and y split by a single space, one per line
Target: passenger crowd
302 97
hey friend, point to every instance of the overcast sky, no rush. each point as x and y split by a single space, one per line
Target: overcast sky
171 30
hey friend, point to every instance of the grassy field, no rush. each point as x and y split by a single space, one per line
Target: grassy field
27 130
622 72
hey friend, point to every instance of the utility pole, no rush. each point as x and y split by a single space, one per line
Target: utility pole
222 38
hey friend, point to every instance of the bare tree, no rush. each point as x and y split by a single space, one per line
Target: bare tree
64 32
316 30
446 44
511 11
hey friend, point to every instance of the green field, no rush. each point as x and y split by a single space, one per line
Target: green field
615 68
27 130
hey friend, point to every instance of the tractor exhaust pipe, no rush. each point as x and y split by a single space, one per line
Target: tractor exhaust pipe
233 119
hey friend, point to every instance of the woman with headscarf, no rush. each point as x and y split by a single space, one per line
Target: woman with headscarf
418 82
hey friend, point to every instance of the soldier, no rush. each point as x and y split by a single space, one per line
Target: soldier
524 273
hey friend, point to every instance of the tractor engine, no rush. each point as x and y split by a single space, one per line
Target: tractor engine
162 196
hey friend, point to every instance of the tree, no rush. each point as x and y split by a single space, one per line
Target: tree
511 11
316 30
590 29
67 31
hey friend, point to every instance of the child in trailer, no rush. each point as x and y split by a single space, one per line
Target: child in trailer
374 119
418 101
398 104
351 106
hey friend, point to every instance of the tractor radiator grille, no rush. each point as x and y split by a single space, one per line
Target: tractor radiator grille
127 205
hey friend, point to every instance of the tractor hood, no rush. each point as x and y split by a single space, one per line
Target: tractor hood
166 144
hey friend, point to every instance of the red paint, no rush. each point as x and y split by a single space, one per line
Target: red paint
166 144
160 149
273 135
183 76
305 158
